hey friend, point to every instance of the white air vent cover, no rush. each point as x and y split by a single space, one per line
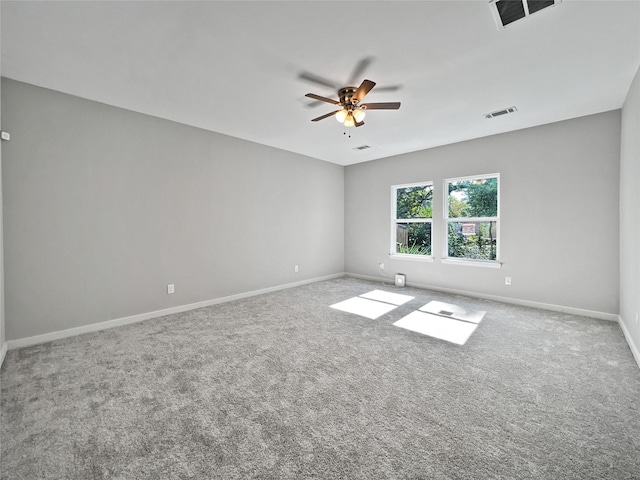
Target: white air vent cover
506 12
498 113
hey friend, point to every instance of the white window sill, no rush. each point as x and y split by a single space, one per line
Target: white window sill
417 258
472 263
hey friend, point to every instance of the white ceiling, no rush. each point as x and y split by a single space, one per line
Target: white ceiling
234 67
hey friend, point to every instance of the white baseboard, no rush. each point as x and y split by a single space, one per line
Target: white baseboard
3 353
118 322
627 335
612 317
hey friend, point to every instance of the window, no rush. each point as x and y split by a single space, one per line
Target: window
471 212
412 216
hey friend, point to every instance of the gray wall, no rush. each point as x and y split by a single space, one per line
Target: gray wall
559 213
104 207
2 327
630 214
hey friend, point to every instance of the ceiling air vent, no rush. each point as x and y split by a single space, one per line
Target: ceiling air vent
498 113
508 11
361 147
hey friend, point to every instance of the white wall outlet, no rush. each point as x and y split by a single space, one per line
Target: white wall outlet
507 280
636 319
171 289
295 268
381 266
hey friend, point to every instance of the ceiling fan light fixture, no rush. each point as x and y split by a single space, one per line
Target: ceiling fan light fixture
341 115
359 114
349 121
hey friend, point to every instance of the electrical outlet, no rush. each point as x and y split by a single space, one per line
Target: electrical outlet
295 268
507 280
381 266
636 319
171 289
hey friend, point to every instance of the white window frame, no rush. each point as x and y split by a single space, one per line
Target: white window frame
469 261
395 221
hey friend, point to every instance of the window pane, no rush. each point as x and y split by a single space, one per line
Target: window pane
473 198
414 202
413 238
473 240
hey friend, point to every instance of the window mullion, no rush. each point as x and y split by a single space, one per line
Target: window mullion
413 220
472 219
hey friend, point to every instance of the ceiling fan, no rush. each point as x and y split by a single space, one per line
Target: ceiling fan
351 112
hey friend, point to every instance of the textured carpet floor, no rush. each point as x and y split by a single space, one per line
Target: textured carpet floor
281 386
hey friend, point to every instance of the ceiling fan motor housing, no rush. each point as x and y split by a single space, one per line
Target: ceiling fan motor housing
346 94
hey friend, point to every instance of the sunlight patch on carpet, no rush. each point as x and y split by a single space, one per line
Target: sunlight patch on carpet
387 297
438 326
372 304
364 307
453 311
